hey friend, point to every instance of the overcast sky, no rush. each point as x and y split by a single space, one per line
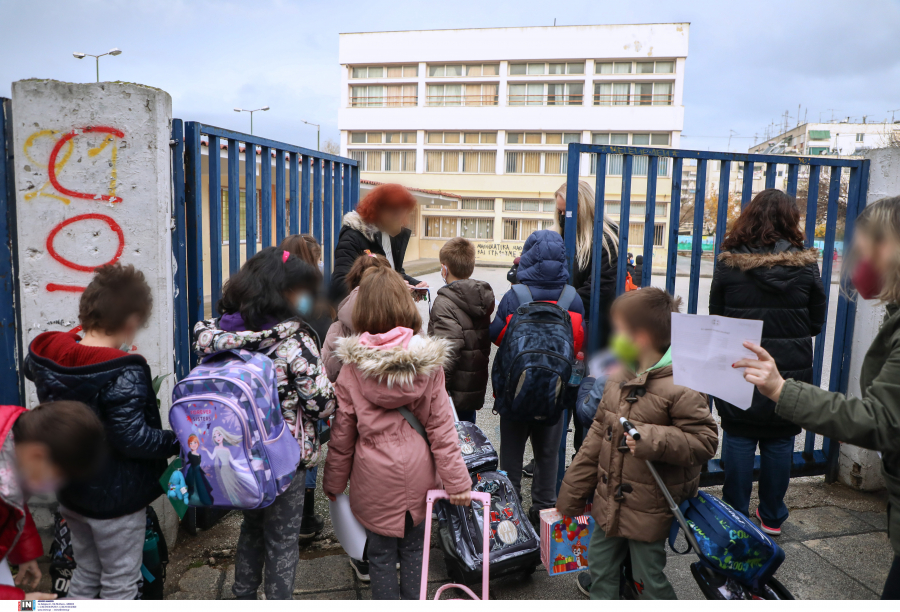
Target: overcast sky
748 62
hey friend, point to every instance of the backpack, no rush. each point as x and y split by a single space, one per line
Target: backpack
236 449
62 559
533 366
730 544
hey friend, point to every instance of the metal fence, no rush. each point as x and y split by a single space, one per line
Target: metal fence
811 460
12 390
310 193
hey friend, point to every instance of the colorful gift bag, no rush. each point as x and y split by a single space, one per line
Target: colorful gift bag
564 541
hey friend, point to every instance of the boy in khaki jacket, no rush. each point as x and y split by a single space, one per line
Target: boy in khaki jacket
678 434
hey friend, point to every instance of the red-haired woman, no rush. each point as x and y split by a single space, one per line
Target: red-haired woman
764 273
377 227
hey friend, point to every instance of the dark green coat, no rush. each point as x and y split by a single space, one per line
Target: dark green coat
872 421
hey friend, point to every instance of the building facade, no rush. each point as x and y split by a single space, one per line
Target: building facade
488 114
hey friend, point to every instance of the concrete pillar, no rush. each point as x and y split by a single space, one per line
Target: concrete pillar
858 467
93 185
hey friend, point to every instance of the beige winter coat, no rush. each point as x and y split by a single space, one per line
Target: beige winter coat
678 434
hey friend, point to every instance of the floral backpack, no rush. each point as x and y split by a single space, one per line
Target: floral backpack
237 451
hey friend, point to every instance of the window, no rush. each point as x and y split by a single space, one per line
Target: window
516 69
640 164
562 138
517 205
374 72
442 204
521 229
662 94
603 68
640 139
527 162
539 68
480 138
456 70
644 68
476 229
478 204
659 139
441 227
644 94
622 68
384 161
859 137
384 95
555 163
654 67
612 94
665 67
546 94
473 94
379 137
468 162
442 137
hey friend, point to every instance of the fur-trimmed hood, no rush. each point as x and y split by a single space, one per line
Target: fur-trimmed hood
354 221
748 261
773 267
389 374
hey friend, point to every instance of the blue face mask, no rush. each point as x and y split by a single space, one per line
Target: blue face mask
305 304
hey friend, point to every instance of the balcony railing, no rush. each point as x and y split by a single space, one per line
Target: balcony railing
546 100
633 99
460 100
383 101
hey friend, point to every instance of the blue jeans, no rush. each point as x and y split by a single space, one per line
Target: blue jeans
775 456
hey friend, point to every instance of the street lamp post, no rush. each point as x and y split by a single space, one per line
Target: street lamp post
318 132
112 52
245 110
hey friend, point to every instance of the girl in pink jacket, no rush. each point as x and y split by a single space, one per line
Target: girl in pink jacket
389 465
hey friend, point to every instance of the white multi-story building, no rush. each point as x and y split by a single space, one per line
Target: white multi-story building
487 115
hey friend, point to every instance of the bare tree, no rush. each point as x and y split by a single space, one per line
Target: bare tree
822 202
331 146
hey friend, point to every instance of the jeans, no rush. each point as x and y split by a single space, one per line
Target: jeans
774 475
892 584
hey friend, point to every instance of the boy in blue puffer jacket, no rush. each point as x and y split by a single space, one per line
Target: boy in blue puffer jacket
543 269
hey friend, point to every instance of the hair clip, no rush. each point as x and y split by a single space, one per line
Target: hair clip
284 256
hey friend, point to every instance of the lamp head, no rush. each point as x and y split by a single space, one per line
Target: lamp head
115 51
237 110
79 55
265 108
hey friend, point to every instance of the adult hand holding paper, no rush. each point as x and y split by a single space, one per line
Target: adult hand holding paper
704 349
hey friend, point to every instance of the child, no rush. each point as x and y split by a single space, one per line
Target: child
391 379
107 512
35 459
543 269
461 314
263 308
678 433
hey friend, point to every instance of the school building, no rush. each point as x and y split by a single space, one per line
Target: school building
482 118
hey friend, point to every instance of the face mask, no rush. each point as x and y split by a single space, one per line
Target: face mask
867 280
444 273
125 347
305 304
624 349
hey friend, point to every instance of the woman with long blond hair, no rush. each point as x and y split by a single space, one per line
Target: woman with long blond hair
871 420
584 253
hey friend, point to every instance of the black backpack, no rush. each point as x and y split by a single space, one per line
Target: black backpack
533 366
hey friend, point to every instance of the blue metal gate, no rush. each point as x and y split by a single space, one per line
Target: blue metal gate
810 461
312 191
12 389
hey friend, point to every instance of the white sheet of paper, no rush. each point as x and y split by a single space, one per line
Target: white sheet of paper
703 349
350 533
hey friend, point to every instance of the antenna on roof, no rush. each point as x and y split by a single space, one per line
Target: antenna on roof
554 22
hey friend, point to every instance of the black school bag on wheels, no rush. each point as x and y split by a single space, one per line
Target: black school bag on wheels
534 363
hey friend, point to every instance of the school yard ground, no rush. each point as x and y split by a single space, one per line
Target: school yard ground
835 540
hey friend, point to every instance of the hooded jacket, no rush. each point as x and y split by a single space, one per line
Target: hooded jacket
390 467
583 282
543 269
356 238
304 390
341 328
638 270
461 314
678 434
779 285
120 392
871 421
19 538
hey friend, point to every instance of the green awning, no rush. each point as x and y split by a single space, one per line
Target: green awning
820 135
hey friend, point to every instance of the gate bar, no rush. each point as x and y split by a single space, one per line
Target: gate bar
649 221
234 207
722 211
674 222
265 196
215 222
624 210
697 242
12 385
250 198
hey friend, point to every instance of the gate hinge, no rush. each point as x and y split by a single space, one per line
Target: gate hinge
173 142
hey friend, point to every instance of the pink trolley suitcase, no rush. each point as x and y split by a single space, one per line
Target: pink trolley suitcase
485 499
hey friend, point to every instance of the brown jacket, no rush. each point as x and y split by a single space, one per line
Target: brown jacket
461 314
678 434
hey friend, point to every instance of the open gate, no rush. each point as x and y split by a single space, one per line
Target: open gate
217 208
811 460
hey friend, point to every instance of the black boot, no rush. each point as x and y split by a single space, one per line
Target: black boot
310 524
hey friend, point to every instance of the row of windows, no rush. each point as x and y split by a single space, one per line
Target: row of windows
385 161
519 94
515 69
516 230
517 138
469 162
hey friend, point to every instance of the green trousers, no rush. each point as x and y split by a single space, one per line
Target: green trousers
648 560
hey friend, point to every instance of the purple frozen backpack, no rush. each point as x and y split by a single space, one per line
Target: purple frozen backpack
236 449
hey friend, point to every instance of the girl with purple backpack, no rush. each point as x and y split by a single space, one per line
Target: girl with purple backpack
264 307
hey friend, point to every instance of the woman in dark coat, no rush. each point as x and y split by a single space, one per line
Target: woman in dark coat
376 226
764 273
638 270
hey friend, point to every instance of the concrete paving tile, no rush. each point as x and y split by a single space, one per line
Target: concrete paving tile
186 595
331 573
538 585
822 522
678 571
878 520
437 567
347 594
866 557
226 593
808 576
202 581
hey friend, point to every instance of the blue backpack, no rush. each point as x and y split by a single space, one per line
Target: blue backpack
728 542
533 366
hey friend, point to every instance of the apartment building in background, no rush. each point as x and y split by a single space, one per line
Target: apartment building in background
483 118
